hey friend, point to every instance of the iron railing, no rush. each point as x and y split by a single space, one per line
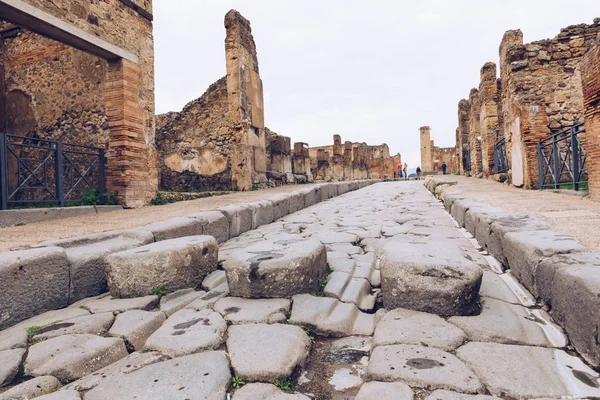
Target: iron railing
500 159
562 160
467 160
41 171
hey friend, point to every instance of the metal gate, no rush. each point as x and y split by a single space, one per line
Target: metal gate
562 160
500 159
47 172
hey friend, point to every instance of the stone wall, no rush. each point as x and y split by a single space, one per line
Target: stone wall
590 75
432 156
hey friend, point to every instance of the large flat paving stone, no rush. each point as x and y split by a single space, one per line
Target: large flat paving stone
125 366
136 326
529 372
237 310
70 357
115 305
272 269
94 324
208 300
188 331
264 353
493 286
423 367
511 324
62 395
401 326
198 376
173 264
173 302
331 317
265 391
13 338
425 276
9 367
448 395
385 391
32 388
44 272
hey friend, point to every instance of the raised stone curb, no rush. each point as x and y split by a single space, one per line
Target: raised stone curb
214 223
174 228
239 217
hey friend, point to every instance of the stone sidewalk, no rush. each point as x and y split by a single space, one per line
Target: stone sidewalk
26 235
329 333
573 215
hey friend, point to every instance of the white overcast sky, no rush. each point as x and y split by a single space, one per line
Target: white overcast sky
370 70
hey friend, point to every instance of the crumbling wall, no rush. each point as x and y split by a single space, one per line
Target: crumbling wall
489 116
279 157
462 140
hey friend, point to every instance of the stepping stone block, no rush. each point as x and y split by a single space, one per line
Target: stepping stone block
237 311
276 269
136 326
174 264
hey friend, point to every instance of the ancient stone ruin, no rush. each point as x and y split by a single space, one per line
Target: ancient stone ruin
432 156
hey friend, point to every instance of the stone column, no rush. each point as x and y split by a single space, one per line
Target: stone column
464 110
475 133
426 156
130 160
590 78
489 123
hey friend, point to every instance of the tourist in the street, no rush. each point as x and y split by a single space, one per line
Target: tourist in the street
399 170
419 173
444 167
405 171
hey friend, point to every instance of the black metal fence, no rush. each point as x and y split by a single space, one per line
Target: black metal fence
47 172
500 159
467 160
562 160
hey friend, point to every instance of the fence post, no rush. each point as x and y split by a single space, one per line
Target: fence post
556 162
575 158
3 173
101 174
58 172
541 174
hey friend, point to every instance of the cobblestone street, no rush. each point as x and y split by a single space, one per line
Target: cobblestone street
375 294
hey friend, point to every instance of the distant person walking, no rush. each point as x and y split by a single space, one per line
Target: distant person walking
444 167
418 173
399 170
405 171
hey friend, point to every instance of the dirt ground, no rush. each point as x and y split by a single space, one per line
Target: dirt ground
570 214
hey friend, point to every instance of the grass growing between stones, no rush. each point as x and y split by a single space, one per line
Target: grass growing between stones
32 330
284 384
237 382
159 291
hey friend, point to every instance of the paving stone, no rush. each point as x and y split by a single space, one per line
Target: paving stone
367 268
173 302
13 338
208 300
430 278
174 228
264 353
349 350
347 248
173 264
188 331
493 286
11 361
331 317
48 318
213 280
239 217
529 372
525 250
237 310
402 326
214 223
341 263
342 286
62 395
385 391
198 376
110 304
32 388
44 272
268 269
262 213
136 326
332 237
70 357
94 324
265 391
423 367
448 395
126 365
512 324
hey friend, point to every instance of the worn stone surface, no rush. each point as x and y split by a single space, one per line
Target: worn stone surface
110 304
214 279
265 391
11 361
205 375
237 310
239 217
96 324
494 287
528 372
385 391
402 326
342 286
423 367
174 228
214 224
273 269
262 213
188 331
208 300
136 326
264 353
70 357
174 264
173 302
13 338
62 395
32 388
448 395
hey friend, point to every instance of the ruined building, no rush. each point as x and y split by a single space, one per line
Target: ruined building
432 156
219 141
538 92
83 73
351 161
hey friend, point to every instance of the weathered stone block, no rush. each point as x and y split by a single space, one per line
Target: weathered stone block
214 223
281 206
501 226
174 228
31 282
271 269
262 213
174 264
32 388
342 188
460 208
296 201
239 217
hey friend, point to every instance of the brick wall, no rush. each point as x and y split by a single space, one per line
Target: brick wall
590 76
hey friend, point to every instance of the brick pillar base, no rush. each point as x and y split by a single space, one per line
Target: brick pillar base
128 158
590 79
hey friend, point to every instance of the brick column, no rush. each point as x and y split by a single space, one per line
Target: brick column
590 78
128 158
